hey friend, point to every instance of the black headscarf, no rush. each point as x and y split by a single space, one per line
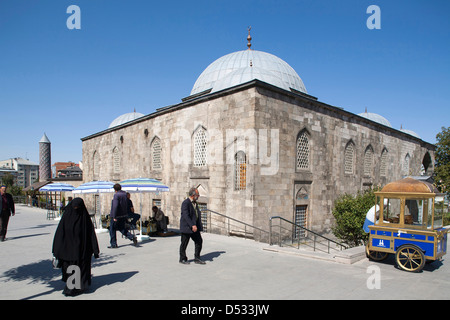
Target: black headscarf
75 237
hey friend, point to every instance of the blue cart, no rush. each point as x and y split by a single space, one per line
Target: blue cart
408 223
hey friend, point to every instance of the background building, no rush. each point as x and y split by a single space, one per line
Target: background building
25 171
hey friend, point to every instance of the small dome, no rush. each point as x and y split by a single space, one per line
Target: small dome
376 118
243 66
127 117
410 132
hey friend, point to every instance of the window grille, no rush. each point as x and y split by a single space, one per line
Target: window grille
303 151
200 148
406 164
116 160
156 154
368 162
300 220
383 164
349 158
204 215
240 171
96 165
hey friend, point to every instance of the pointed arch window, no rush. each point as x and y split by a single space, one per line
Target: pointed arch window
303 151
383 163
200 144
368 161
116 161
156 151
406 164
240 171
96 165
349 158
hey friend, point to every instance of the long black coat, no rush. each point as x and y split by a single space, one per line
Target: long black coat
75 237
188 217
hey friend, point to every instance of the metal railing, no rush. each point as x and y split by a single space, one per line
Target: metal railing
317 239
231 226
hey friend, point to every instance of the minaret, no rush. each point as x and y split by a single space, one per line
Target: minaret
45 166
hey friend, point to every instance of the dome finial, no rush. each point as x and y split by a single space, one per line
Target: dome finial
249 38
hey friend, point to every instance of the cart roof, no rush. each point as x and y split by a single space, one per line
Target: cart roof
409 185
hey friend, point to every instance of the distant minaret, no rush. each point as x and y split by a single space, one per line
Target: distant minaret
45 166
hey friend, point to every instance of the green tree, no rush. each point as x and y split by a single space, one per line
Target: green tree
350 213
8 181
442 154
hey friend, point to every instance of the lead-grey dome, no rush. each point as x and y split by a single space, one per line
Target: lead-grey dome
242 66
127 117
375 117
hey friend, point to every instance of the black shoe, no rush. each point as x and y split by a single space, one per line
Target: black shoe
184 262
113 246
198 261
135 241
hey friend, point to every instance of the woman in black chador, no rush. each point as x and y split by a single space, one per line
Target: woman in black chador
74 244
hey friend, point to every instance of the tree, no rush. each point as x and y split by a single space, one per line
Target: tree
350 213
442 167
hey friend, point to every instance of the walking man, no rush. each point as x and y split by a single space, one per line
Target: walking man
190 227
7 209
118 216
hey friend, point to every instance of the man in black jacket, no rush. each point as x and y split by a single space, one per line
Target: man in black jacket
7 208
190 227
118 216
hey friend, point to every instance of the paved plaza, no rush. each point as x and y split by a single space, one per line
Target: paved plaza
235 269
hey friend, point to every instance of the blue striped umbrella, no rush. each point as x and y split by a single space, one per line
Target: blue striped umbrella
143 185
57 187
95 187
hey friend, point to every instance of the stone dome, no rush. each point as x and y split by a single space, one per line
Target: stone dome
243 66
410 132
376 118
127 117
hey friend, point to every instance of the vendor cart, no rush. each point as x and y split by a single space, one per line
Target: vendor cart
407 225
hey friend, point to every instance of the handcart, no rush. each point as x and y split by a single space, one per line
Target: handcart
406 224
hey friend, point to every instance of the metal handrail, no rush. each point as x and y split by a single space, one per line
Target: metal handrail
342 246
235 220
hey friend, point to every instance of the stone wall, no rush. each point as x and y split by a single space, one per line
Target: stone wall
264 122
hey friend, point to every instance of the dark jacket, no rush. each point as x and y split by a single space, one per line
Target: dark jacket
119 205
9 199
188 217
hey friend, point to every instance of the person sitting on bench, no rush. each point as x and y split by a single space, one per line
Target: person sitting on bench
161 224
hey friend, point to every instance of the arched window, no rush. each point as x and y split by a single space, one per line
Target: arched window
406 164
349 158
303 151
96 165
156 162
383 163
240 171
116 160
368 161
200 144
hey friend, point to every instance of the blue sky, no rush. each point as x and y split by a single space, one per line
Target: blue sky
143 55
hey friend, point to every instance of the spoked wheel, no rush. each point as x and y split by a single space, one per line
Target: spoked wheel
376 255
410 258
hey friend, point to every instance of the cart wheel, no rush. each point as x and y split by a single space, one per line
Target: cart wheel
410 258
376 255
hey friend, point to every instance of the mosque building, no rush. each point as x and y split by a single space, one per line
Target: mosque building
257 145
